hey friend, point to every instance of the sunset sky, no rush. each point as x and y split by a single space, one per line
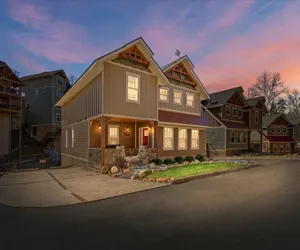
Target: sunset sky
229 41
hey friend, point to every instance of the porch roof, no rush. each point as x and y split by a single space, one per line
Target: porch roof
274 138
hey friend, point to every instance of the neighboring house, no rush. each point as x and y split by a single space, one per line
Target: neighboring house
124 102
10 109
42 92
295 132
239 118
277 134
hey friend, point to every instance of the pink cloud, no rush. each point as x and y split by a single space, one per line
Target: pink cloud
56 40
31 64
272 45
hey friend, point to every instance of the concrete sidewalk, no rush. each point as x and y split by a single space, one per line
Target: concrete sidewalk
55 187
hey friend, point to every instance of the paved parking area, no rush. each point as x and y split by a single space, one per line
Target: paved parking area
54 187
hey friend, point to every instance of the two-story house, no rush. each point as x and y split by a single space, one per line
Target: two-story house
239 118
277 134
125 101
10 110
42 92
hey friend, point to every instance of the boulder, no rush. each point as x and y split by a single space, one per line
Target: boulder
185 162
196 161
135 177
114 170
152 165
104 169
161 180
145 172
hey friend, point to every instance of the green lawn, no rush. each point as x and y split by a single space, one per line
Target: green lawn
194 169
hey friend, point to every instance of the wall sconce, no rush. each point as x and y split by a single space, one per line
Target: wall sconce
99 127
127 129
149 127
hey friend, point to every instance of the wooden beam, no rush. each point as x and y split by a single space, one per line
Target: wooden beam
103 139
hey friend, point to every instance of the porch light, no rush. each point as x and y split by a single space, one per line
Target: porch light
149 127
99 127
127 128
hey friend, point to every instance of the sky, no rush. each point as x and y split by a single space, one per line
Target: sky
230 42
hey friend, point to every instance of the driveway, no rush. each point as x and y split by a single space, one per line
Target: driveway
56 187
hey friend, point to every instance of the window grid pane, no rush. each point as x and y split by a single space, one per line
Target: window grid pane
177 97
182 138
168 138
189 100
132 88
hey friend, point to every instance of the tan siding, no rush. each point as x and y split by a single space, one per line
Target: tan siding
84 105
81 140
115 93
171 105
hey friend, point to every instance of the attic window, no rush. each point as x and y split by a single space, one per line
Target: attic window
134 54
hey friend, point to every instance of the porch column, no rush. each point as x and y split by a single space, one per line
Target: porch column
261 139
135 133
103 139
249 140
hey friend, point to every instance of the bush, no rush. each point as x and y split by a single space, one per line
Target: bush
199 157
168 161
157 161
179 159
189 158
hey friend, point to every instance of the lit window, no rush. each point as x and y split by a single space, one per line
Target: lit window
58 117
256 116
168 138
232 139
113 135
238 137
275 147
60 93
195 139
234 111
287 147
189 100
66 138
59 79
177 97
73 137
244 137
228 110
133 87
164 94
240 114
182 139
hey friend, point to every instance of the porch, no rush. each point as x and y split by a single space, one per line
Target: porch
115 141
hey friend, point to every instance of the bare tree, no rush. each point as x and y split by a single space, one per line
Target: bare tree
72 78
17 73
270 86
278 107
293 104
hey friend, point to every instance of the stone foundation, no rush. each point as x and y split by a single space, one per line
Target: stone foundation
95 157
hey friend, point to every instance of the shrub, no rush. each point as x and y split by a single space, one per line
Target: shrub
189 158
168 161
179 159
157 161
199 157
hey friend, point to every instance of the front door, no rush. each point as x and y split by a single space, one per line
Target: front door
145 136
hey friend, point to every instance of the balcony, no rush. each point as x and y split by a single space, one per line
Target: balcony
8 107
10 91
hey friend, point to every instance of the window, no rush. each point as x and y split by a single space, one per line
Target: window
36 93
113 135
244 137
44 91
256 116
272 129
228 110
190 100
232 139
34 131
59 79
73 138
234 111
275 147
287 147
284 130
281 147
240 114
28 106
133 87
168 138
278 130
58 117
239 137
66 138
195 139
182 139
59 93
177 97
164 94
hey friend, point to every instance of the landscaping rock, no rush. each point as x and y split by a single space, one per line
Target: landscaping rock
145 172
105 169
137 172
196 161
126 170
185 162
135 177
114 170
161 180
152 165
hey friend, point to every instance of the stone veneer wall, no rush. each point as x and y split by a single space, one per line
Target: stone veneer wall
95 156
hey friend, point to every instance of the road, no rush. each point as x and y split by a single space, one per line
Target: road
258 208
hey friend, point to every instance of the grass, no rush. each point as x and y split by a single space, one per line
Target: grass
194 169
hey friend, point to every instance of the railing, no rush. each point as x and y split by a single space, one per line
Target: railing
10 90
5 105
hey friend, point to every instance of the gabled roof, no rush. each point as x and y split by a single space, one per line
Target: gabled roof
11 75
43 74
82 81
2 64
187 59
221 97
295 121
269 119
253 101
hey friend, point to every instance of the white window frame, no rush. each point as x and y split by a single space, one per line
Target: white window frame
228 108
193 104
118 134
177 91
280 144
245 137
289 146
234 108
185 139
73 137
231 134
277 147
192 139
167 95
284 130
238 137
240 110
36 93
139 87
66 138
256 116
273 129
278 128
172 139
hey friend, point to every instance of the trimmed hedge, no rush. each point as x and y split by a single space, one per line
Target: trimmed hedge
189 158
179 159
157 161
168 161
199 157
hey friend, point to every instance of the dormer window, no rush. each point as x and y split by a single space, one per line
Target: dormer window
234 111
240 114
284 130
228 110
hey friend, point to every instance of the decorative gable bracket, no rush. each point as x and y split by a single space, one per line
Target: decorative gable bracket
180 73
135 55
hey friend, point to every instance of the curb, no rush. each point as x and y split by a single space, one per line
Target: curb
201 176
